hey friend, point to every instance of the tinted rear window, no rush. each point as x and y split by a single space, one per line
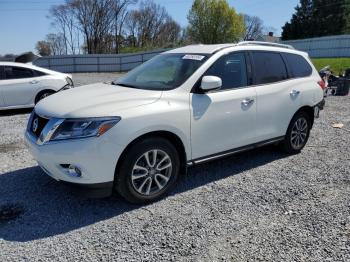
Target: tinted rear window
297 66
269 67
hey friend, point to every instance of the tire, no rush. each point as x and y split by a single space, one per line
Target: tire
297 134
140 181
42 95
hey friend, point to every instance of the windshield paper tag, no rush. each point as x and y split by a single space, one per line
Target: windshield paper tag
194 57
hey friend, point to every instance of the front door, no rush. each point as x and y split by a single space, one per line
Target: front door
224 119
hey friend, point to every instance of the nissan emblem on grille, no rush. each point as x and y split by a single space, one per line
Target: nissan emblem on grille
35 125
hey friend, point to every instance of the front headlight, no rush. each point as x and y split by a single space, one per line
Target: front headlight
82 128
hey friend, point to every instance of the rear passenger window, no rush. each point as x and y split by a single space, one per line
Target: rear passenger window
13 72
297 66
269 67
231 69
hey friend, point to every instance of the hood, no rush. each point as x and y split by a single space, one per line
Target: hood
96 100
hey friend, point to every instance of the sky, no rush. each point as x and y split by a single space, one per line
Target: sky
24 22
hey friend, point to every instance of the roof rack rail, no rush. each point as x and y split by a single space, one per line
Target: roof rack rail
265 44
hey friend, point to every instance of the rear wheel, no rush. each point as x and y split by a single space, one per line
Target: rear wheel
297 134
148 170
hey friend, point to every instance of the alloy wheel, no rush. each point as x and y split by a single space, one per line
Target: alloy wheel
151 172
299 133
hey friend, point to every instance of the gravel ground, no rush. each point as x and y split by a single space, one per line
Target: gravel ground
261 205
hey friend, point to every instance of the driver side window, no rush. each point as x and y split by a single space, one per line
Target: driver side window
232 70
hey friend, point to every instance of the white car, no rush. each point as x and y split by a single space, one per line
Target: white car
23 85
184 107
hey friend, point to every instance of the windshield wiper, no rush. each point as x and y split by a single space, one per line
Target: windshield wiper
125 85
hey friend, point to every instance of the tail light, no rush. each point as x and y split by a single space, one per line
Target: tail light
322 84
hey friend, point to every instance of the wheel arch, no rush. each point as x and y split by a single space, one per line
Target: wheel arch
309 110
170 136
36 99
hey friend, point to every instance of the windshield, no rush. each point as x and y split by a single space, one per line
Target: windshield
163 72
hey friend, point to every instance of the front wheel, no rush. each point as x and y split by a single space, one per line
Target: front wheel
297 134
149 169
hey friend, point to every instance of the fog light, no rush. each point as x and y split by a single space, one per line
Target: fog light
74 171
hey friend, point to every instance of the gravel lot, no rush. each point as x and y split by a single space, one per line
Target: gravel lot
261 205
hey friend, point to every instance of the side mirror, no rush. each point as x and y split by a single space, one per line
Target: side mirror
211 83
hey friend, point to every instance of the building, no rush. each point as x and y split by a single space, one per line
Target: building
268 38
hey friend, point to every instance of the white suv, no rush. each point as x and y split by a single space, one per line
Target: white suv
183 107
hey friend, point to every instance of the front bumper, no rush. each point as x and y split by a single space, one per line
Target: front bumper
99 190
96 158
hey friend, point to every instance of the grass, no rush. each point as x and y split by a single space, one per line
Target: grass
337 65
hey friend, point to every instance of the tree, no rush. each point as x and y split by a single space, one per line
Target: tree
314 18
56 43
120 8
64 20
347 17
328 17
214 21
254 27
151 25
94 18
106 26
301 24
43 48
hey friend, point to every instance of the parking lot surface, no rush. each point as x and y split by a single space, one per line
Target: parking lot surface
260 205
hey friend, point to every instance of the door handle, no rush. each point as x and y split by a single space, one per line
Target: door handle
294 92
34 82
247 101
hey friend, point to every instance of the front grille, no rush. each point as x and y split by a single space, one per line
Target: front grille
37 125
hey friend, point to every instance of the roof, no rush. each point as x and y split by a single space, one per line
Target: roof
200 49
8 63
210 49
30 66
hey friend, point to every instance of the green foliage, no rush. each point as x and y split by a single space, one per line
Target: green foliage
135 49
214 21
337 65
314 18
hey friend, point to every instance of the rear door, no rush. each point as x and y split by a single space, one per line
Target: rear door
19 86
278 98
224 119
